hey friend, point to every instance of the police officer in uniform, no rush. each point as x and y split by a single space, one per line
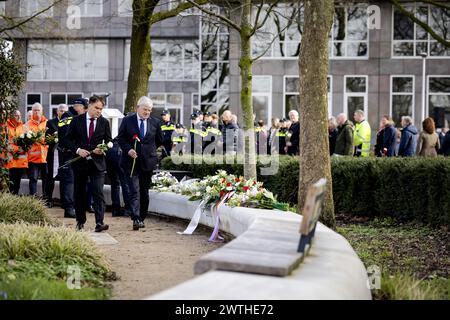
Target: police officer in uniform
167 128
197 134
65 173
281 136
179 139
212 130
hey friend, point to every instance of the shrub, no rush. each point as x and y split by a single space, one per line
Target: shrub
46 252
12 288
23 208
406 188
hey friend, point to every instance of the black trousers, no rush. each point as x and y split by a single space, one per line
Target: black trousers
83 174
50 183
15 174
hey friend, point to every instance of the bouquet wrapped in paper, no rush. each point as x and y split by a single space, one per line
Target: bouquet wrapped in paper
26 140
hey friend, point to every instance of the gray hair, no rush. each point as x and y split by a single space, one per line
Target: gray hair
360 112
63 106
37 104
145 102
293 112
407 120
333 122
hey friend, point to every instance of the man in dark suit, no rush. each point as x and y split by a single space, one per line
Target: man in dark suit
293 135
139 137
85 133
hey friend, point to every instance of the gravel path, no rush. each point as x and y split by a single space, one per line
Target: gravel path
151 259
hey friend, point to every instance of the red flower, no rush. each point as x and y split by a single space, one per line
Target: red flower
135 137
228 184
254 182
237 180
245 188
222 193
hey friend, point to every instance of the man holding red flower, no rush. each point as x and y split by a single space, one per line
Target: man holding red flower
139 137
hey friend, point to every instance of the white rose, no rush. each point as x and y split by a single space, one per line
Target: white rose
29 135
22 136
56 140
109 145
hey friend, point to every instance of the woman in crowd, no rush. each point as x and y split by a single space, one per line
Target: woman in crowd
428 143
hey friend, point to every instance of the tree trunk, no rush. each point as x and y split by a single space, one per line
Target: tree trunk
313 66
141 53
245 64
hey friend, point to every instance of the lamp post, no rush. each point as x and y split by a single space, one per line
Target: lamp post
424 56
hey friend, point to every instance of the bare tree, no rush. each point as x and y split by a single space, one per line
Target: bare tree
144 16
313 71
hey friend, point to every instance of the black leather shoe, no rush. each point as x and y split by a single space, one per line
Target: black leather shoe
135 225
49 204
141 224
91 209
69 213
101 227
80 226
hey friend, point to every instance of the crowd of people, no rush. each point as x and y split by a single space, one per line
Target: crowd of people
143 140
348 139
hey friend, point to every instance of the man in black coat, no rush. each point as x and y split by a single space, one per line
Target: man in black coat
52 130
293 135
85 133
139 137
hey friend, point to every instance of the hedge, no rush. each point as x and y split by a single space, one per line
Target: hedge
406 188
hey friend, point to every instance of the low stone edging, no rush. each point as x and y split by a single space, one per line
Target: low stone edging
332 270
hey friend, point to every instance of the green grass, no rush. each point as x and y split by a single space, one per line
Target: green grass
23 208
413 258
12 288
35 254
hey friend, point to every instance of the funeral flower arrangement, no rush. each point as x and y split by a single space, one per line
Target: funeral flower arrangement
222 187
51 138
26 140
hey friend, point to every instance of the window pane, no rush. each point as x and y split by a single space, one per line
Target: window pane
174 100
261 108
403 49
125 8
357 23
292 84
403 26
101 61
291 103
353 104
76 60
58 60
356 49
438 49
33 98
56 99
440 109
339 49
440 21
94 8
401 106
440 85
356 84
421 47
421 14
89 61
402 84
36 61
261 84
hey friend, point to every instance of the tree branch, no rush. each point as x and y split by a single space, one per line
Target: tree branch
17 25
162 15
218 16
424 25
436 4
257 26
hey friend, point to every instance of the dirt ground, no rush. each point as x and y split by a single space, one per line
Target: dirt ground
151 259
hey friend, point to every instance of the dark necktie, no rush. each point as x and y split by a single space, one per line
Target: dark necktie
91 129
142 129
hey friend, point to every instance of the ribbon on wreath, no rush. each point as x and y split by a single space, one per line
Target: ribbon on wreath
215 236
195 219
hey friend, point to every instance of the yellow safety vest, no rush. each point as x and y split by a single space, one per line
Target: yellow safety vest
361 138
199 132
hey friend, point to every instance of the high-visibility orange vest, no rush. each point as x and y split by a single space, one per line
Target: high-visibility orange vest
15 129
38 152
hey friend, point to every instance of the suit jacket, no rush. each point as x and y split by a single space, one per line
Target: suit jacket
52 128
77 137
146 149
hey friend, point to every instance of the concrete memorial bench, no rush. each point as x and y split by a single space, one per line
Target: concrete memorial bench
271 249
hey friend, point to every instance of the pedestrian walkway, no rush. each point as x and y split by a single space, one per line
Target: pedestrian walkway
149 260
